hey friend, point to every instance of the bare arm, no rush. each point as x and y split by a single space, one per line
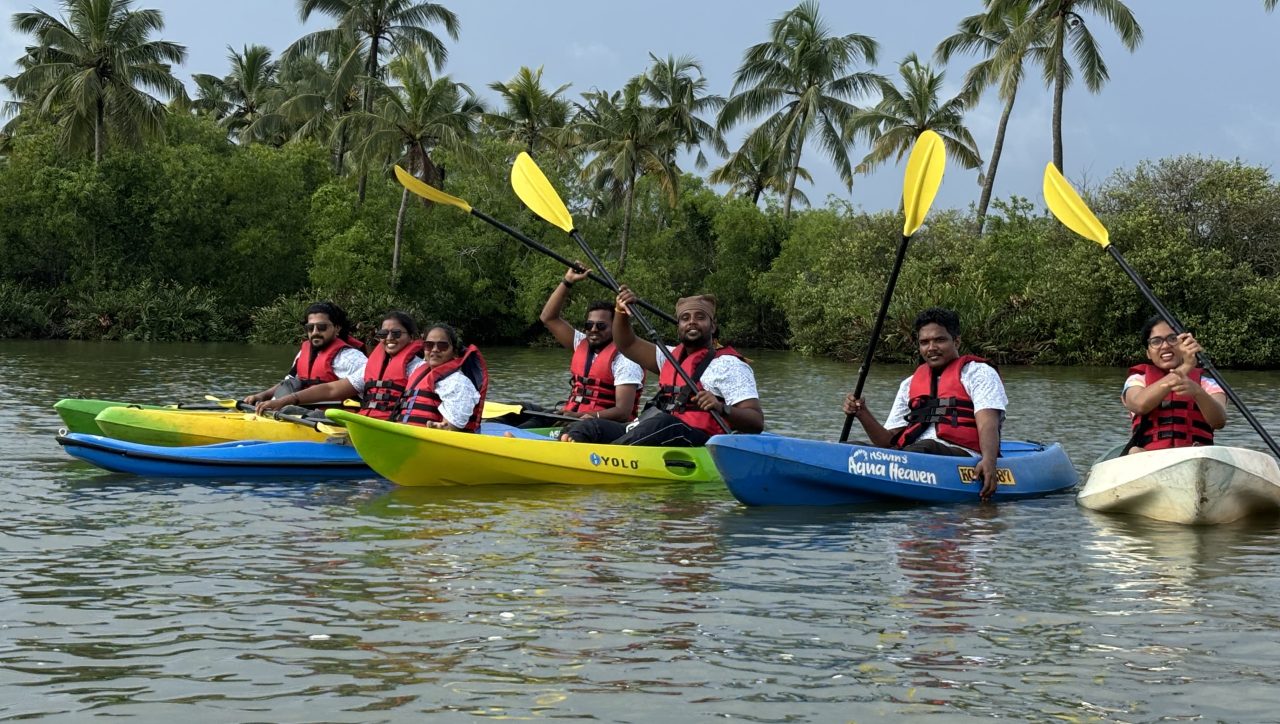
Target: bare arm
1212 406
632 347
1141 400
625 399
550 316
989 446
336 390
876 433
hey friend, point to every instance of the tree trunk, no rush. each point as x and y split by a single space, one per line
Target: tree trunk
99 132
395 252
791 178
1059 90
371 70
626 223
341 153
989 182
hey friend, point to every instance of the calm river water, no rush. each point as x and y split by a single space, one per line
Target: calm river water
162 600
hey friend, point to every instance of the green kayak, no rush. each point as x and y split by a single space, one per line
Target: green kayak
78 415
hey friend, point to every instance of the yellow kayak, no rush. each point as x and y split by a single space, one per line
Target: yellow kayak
185 427
411 455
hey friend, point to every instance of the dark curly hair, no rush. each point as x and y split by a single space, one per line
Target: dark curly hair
945 318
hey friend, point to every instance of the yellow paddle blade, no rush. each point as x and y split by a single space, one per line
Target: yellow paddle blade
430 193
533 188
498 409
229 404
1070 209
924 175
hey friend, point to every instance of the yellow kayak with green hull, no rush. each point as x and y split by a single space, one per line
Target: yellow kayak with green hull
184 427
419 456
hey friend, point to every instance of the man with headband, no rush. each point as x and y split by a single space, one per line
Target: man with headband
680 416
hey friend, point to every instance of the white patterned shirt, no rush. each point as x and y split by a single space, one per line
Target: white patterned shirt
458 398
980 380
726 377
625 372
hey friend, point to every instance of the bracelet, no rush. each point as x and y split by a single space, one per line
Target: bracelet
568 284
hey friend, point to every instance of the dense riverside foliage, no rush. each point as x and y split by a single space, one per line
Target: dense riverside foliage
199 238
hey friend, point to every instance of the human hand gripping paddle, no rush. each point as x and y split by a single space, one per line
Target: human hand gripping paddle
431 193
533 188
1071 210
924 174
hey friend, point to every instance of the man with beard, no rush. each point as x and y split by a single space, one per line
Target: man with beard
679 415
604 383
329 353
951 405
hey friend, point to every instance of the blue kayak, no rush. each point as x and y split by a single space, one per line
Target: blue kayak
777 470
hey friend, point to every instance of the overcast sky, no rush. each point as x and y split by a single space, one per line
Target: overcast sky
1203 81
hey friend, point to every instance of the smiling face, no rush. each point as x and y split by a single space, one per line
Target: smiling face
695 327
1166 354
599 328
391 327
438 347
320 331
937 346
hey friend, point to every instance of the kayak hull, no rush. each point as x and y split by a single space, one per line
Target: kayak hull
777 470
173 428
1192 486
242 460
78 415
418 456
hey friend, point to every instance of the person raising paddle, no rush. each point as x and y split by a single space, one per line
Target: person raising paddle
951 405
604 383
329 353
1173 404
680 416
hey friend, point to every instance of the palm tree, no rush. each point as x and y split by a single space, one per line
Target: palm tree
895 123
756 168
320 90
993 34
243 97
1269 5
533 115
90 68
626 139
1064 23
802 77
682 97
399 26
411 121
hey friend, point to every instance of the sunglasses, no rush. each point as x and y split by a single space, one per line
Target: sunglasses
393 333
317 327
588 326
1170 339
437 346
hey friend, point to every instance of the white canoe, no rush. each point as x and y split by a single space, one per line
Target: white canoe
1192 485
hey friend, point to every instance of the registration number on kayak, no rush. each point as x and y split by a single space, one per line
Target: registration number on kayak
1004 476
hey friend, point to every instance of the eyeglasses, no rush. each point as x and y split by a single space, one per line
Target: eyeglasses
317 327
588 326
1169 339
437 346
392 333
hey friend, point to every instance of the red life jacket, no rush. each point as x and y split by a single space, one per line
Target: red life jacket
676 398
314 370
420 404
941 400
592 389
1175 422
386 378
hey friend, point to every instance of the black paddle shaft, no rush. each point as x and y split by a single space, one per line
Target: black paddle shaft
549 252
644 322
1204 361
865 369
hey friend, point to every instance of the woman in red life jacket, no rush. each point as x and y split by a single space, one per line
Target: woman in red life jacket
603 382
952 405
383 377
328 353
680 416
1172 403
447 392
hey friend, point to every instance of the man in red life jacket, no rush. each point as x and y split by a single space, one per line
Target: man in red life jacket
328 353
603 382
951 405
1172 403
680 416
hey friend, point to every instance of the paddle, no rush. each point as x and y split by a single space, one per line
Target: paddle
533 188
924 175
493 410
1071 210
432 193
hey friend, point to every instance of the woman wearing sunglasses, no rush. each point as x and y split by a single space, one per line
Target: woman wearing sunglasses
382 379
1172 402
329 353
447 392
